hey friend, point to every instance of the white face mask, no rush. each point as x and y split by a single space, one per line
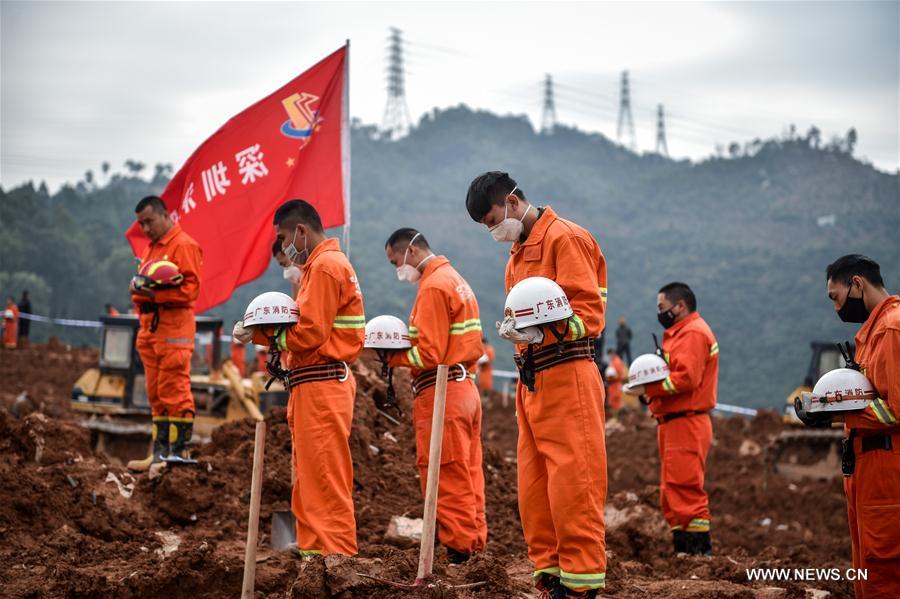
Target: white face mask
291 251
293 274
509 229
408 272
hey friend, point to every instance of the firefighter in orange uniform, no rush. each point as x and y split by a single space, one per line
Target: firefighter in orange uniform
165 340
681 404
445 328
239 358
872 477
561 448
328 336
486 368
616 373
10 323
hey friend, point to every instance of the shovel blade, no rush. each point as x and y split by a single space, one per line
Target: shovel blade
284 530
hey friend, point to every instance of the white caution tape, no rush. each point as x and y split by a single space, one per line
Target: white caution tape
66 322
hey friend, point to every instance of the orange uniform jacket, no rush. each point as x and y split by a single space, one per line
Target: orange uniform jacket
873 491
332 324
486 374
445 328
614 384
331 328
693 356
561 451
562 251
166 353
176 319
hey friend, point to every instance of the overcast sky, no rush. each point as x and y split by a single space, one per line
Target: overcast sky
94 81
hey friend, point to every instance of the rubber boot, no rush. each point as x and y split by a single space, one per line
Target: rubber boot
180 430
457 557
160 446
699 543
549 586
681 542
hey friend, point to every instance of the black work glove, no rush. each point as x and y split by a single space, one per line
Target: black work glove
811 419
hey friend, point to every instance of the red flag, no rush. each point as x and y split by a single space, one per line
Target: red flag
291 144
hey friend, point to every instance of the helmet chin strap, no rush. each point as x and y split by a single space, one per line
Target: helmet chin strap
387 372
273 365
559 337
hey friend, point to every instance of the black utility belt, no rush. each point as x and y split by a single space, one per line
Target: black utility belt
533 361
151 307
876 442
333 371
866 444
674 415
428 378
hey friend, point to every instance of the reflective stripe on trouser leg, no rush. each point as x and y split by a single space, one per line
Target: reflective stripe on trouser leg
562 470
322 495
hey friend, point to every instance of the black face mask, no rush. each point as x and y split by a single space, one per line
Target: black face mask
666 318
854 308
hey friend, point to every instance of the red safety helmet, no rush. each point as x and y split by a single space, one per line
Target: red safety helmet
160 273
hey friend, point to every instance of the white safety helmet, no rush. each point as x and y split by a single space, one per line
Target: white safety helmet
647 368
842 389
271 307
535 301
610 372
387 332
8 314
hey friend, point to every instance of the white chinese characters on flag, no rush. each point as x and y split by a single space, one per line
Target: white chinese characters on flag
291 144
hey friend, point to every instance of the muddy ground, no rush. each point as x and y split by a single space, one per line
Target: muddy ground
73 524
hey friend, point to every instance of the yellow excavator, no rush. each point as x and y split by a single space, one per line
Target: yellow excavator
804 452
113 396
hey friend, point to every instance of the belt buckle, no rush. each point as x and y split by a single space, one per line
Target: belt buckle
346 373
463 374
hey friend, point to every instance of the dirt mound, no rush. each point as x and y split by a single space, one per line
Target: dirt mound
73 525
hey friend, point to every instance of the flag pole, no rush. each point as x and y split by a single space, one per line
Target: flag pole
345 149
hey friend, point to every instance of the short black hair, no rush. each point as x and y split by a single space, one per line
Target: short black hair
405 235
154 201
296 212
676 291
277 248
487 190
846 267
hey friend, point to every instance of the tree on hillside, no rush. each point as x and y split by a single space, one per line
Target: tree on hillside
851 140
814 137
134 167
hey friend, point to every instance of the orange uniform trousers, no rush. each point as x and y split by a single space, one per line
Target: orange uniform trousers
9 333
239 358
562 473
460 509
167 371
319 416
683 446
874 516
615 395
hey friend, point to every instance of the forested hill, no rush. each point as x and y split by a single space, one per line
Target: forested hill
751 232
